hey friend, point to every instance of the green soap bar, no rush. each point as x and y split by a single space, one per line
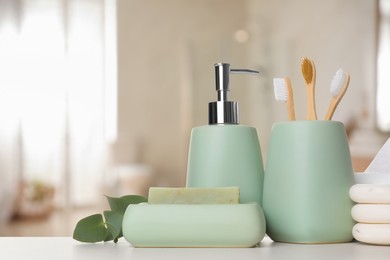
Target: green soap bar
195 225
223 195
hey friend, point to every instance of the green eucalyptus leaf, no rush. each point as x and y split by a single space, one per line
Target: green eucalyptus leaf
119 205
114 224
93 228
108 237
90 229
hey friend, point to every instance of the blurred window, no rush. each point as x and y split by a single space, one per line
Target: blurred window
383 91
57 93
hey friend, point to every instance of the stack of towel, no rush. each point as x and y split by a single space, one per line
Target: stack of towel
372 212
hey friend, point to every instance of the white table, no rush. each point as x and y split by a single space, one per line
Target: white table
59 248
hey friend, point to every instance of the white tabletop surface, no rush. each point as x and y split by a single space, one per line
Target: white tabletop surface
59 248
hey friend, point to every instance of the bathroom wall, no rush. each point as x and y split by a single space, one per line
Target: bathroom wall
166 51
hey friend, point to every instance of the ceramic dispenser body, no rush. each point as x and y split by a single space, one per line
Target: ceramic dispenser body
225 153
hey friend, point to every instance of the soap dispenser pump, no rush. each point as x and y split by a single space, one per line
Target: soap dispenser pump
225 153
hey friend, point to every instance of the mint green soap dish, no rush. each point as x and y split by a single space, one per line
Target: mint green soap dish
194 225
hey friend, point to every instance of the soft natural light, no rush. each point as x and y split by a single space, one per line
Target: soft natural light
58 92
110 80
383 91
383 76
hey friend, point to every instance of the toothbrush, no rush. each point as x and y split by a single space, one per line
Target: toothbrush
338 87
309 74
283 92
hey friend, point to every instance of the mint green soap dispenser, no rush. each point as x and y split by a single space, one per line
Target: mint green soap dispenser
224 153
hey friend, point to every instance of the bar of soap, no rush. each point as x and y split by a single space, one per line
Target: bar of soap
370 193
194 225
378 234
371 213
223 195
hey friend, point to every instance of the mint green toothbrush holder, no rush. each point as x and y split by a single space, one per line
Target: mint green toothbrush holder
307 178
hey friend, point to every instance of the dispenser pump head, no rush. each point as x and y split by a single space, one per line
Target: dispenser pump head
224 111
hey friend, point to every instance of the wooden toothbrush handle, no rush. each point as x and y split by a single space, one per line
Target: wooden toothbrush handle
290 100
311 104
291 113
332 107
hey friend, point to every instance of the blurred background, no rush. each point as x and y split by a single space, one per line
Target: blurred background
100 96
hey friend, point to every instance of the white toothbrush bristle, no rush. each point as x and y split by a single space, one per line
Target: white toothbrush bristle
337 83
280 89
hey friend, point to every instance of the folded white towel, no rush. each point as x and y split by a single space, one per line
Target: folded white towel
372 233
370 193
371 213
372 178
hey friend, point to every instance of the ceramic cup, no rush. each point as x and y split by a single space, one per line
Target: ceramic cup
307 178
